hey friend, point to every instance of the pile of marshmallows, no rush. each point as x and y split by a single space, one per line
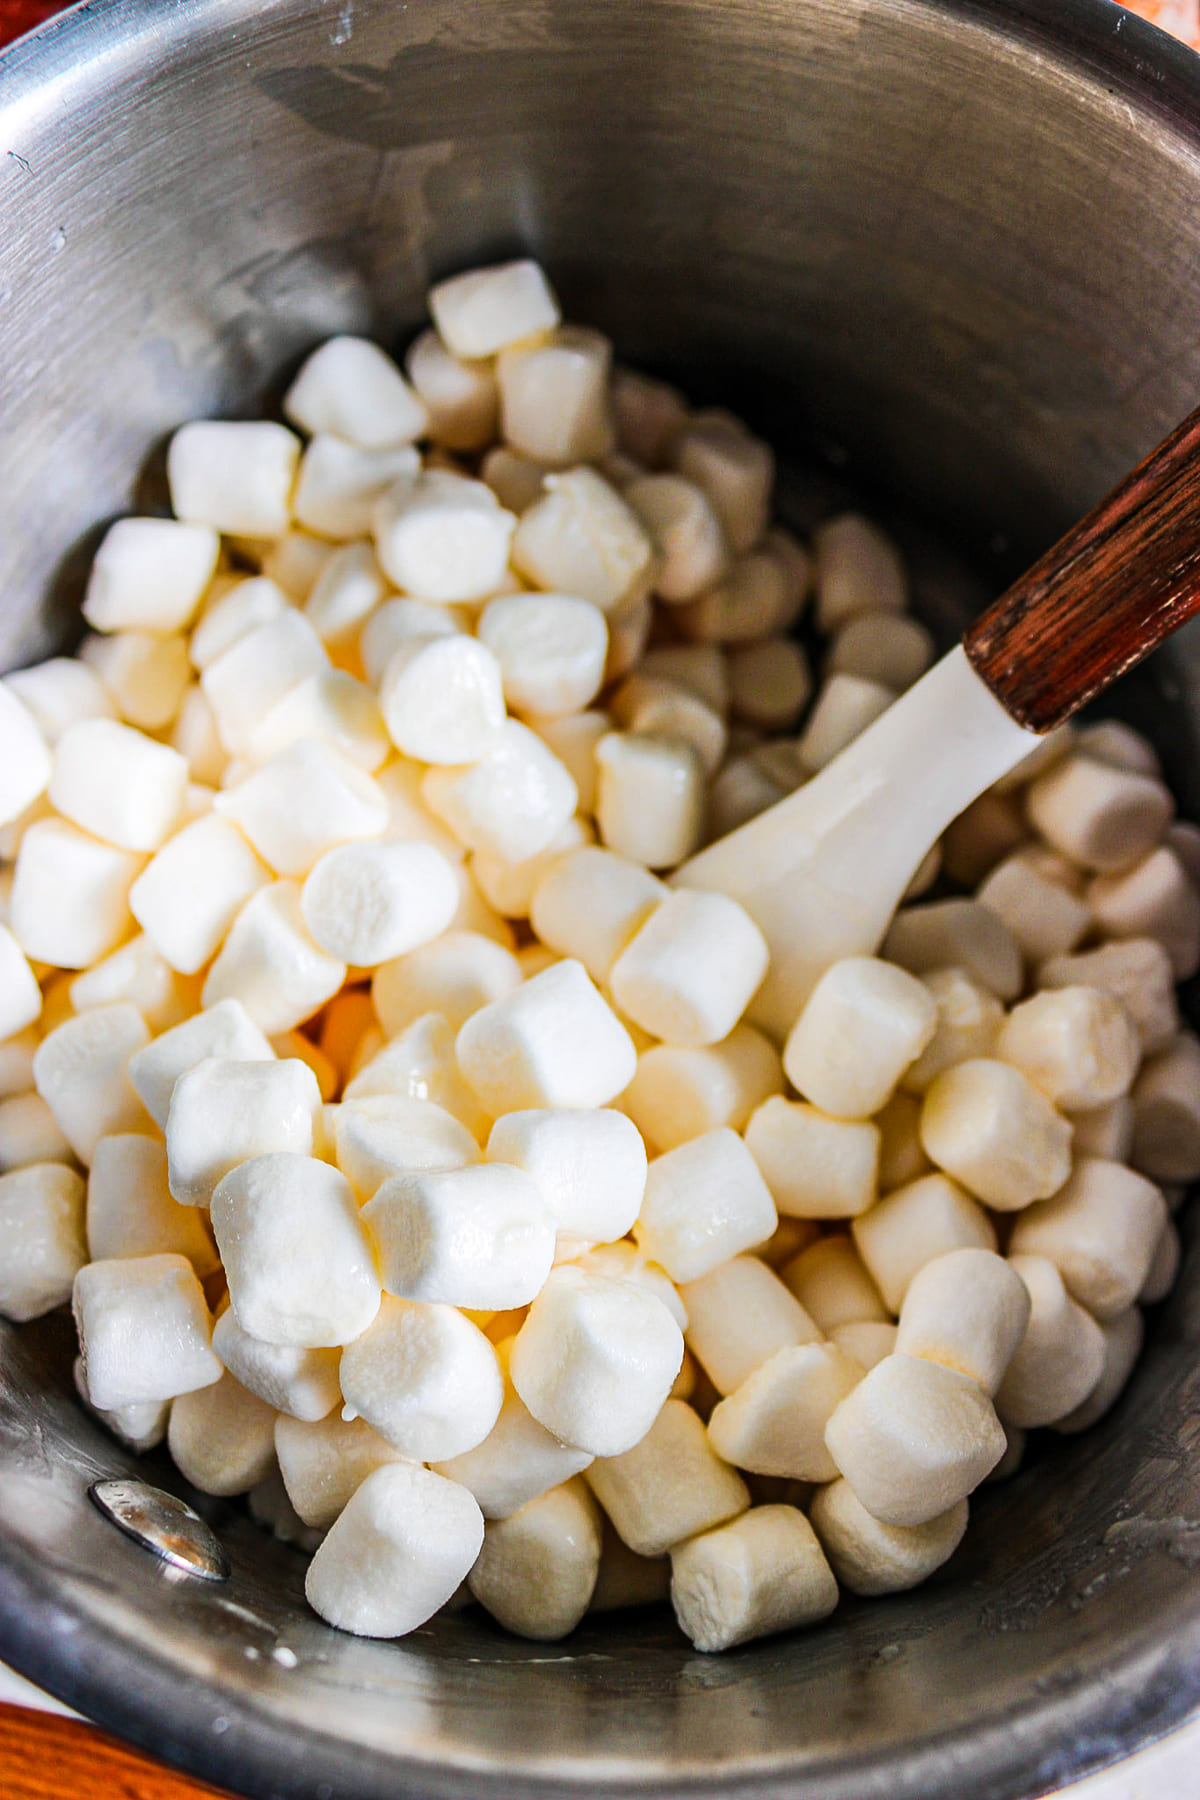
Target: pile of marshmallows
341 996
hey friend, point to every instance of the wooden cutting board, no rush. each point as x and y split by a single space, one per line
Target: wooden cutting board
46 1757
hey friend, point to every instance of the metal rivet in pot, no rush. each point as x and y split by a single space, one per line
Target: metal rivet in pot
163 1524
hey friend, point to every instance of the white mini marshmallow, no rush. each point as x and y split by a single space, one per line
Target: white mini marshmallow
245 681
968 1310
460 395
648 415
859 570
149 575
816 1167
1060 1358
235 477
588 1165
1101 1231
862 1025
483 310
1166 1101
147 675
144 1331
774 1423
322 1462
456 975
733 468
225 1030
868 1341
573 740
740 1315
1136 971
582 538
705 1202
303 802
222 1438
377 1136
908 1228
1123 1339
537 1569
518 1460
235 608
1044 919
871 1558
1079 1045
589 904
346 592
297 1258
271 963
396 1553
442 537
1155 899
130 1211
43 1244
16 1063
340 484
686 531
959 934
628 1262
190 893
351 388
509 887
650 802
740 792
969 1019
478 1237
983 835
515 480
425 1378
419 1064
769 682
70 895
442 698
1103 817
369 902
595 1360
762 1573
831 1283
669 1486
678 1093
1105 1131
755 599
141 1427
843 709
301 1383
658 708
118 784
554 403
396 621
20 995
882 646
223 1112
294 562
986 1124
553 1042
551 649
82 1072
58 693
688 973
512 801
137 973
331 706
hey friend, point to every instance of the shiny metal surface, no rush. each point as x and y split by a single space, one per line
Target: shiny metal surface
163 1524
955 247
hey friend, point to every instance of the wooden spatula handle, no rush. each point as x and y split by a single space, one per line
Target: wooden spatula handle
1108 592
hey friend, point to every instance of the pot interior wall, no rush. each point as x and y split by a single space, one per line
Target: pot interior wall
949 253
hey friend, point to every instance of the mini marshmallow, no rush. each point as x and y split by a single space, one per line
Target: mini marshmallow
1060 1358
705 1201
1166 1101
624 1261
118 784
969 1019
764 1572
815 1167
515 480
140 1427
397 620
223 1112
1103 817
831 1283
518 1460
20 996
1105 1131
870 1558
483 310
678 1093
648 415
862 1025
408 816
43 1244
509 887
190 893
686 531
1123 1338
1154 899
629 627
740 1315
235 477
137 973
1101 1231
25 759
573 740
294 561
986 1124
245 681
755 599
843 709
1112 741
960 934
224 1030
650 798
301 1383
669 1486
868 1341
442 537
774 1423
769 682
1077 1044
511 802
858 570
595 1360
1136 971
345 593
149 575
626 1579
1044 919
590 903
419 1064
425 1379
733 468
146 675
367 903
297 1258
351 388
57 693
967 1310
908 1228
901 1154
270 962
740 792
1181 836
551 650
233 612
377 1136
478 1237
331 706
442 699
303 802
582 538
70 895
1164 1266
554 397
144 1331
460 395
588 1166
81 1071
653 707
396 1553
913 1439
688 973
222 1438
537 1568
339 485
16 1063
130 1211
982 836
553 1042
456 975
323 1462
29 1133
882 646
